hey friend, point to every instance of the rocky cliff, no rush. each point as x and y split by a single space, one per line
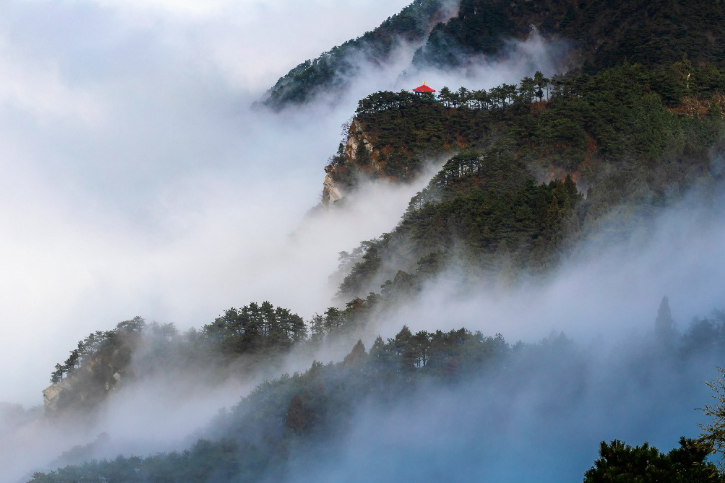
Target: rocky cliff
355 160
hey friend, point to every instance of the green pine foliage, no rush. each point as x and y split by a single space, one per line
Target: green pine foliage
642 31
296 417
636 137
256 335
619 462
646 32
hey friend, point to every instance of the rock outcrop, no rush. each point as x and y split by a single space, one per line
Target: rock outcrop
357 160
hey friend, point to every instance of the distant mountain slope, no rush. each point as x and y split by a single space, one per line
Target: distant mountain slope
332 69
290 428
602 34
236 344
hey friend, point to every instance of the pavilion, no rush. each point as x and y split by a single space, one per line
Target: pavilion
424 89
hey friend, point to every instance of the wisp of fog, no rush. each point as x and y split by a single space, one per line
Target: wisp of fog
139 180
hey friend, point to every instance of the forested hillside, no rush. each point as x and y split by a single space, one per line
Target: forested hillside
533 170
601 34
526 177
332 69
241 341
291 424
539 168
604 33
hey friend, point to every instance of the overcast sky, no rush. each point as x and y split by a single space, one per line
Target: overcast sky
134 178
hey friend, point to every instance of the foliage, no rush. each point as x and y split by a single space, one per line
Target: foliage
619 462
713 432
623 133
255 328
651 33
605 33
256 334
293 417
333 69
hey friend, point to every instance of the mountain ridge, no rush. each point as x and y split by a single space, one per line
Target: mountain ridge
602 34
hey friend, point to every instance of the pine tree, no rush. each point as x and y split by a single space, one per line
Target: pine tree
665 324
357 356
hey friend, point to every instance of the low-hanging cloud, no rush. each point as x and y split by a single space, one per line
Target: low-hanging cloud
607 288
537 422
136 180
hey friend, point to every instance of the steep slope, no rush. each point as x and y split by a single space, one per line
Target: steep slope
602 34
332 70
303 427
238 344
512 202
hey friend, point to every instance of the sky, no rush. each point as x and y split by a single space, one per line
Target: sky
138 180
135 178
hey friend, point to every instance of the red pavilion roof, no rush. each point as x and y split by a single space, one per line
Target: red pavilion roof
423 88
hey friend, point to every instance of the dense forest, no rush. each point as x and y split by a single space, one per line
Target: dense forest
287 423
601 34
244 340
629 138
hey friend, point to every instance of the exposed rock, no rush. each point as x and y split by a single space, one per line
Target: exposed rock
330 191
83 390
51 396
360 159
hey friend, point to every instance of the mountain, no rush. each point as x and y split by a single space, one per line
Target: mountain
533 171
539 167
601 34
298 427
331 70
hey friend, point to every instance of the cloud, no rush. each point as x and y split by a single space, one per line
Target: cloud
610 287
539 422
136 179
134 176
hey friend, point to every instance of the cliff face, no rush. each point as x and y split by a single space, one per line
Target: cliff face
85 389
99 372
358 159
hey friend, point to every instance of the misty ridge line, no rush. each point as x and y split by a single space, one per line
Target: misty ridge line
555 370
301 407
332 319
154 351
334 70
600 36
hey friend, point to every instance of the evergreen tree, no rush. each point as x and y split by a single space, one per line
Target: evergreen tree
665 324
713 432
